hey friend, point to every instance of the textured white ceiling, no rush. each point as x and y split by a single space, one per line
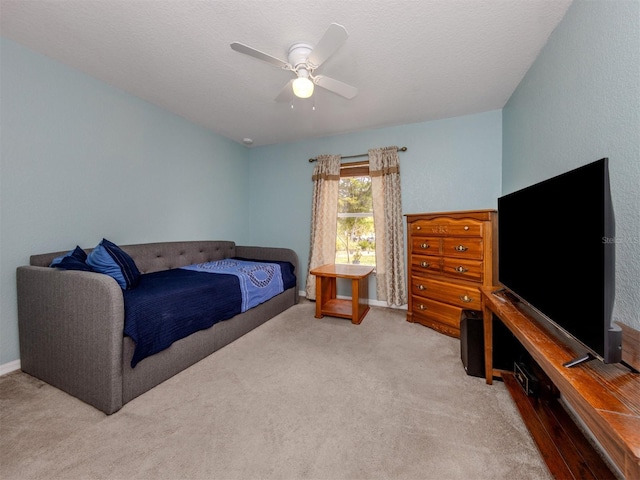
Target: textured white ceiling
412 60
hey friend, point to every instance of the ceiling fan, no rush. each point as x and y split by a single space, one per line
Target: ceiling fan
303 60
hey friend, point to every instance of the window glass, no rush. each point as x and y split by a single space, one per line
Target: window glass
355 239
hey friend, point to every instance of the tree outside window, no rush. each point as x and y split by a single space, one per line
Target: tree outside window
355 239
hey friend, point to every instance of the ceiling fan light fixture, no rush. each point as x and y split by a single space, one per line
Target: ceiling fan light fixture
303 60
302 87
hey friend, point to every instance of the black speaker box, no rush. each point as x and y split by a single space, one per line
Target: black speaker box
472 343
506 348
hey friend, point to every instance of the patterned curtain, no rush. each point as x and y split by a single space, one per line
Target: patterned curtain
384 168
324 217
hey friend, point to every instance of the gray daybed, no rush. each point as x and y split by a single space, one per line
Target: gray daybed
71 323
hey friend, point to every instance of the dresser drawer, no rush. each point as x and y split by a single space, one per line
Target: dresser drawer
424 308
462 268
443 291
446 226
421 264
425 245
461 247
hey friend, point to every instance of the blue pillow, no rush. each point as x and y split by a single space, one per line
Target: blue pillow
74 260
111 260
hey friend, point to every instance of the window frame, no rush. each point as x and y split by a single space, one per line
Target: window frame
356 169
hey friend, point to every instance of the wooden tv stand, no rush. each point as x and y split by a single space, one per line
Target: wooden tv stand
606 397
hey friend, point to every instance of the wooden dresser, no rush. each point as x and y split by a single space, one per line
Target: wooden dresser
450 255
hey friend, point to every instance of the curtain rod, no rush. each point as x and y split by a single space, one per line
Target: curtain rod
401 149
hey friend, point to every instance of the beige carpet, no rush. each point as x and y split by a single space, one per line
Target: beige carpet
297 398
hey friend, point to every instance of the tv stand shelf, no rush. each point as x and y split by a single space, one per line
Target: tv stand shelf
606 397
565 449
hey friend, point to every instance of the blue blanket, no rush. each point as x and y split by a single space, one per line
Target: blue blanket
172 304
258 281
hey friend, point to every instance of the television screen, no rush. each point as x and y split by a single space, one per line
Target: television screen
556 254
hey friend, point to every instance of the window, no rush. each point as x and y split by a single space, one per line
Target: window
355 239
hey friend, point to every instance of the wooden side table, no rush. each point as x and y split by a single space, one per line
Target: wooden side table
326 301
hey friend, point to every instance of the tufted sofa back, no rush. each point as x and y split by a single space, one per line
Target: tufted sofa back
153 257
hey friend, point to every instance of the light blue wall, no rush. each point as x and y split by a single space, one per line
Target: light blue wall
81 160
579 102
451 164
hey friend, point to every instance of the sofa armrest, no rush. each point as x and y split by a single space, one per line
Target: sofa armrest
71 326
272 253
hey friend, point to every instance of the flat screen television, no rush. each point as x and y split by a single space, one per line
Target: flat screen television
556 254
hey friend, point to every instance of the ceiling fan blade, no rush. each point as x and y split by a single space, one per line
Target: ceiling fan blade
265 57
331 41
336 86
286 94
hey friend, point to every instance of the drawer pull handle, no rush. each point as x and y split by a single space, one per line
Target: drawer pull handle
425 264
460 269
421 307
421 287
466 227
418 227
425 245
466 298
460 248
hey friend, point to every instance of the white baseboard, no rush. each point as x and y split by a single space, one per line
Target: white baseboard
9 367
372 302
